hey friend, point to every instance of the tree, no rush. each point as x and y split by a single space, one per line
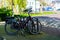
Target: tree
21 3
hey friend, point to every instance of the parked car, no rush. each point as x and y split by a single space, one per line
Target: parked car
48 8
58 9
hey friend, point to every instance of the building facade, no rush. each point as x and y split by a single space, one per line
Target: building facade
53 3
34 4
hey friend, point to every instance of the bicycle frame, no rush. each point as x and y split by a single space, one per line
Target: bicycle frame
22 23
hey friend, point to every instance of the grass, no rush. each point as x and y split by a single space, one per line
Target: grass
42 14
37 14
42 36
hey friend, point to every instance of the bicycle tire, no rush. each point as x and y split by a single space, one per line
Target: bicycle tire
9 30
36 25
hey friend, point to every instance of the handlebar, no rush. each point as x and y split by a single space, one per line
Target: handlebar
28 10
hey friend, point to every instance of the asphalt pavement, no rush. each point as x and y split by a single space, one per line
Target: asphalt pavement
51 24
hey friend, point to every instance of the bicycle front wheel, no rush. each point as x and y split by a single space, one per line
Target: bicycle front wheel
34 26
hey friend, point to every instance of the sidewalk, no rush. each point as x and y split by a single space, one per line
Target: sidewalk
2 23
54 15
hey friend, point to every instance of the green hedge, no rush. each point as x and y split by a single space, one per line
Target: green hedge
5 12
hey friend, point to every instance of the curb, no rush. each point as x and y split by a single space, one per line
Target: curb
2 23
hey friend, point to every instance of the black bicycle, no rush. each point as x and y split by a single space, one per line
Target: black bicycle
25 24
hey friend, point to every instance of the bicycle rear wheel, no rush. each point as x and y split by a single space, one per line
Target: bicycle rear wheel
9 30
34 26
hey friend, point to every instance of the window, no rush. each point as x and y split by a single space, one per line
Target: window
32 3
0 1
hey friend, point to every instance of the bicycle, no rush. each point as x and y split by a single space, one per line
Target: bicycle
29 24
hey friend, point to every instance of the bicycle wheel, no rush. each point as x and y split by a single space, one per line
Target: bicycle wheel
9 30
34 26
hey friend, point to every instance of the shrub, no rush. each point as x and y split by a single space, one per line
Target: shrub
5 12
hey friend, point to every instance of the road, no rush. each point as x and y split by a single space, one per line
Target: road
51 24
